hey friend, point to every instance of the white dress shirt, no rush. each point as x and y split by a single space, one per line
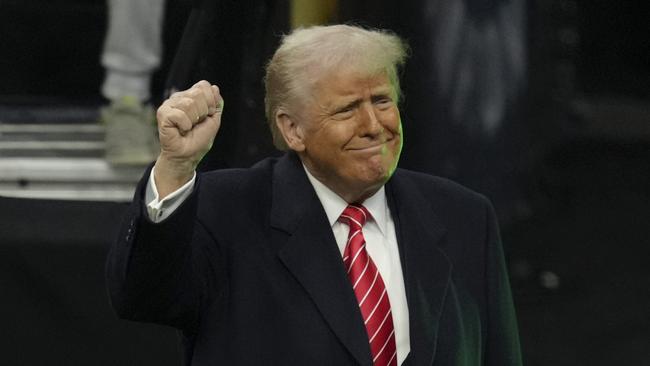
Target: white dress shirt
379 232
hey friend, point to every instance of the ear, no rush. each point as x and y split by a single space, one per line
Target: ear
290 130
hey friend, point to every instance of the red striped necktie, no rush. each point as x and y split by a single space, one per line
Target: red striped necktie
369 289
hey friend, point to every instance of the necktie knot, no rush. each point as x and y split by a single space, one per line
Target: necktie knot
355 216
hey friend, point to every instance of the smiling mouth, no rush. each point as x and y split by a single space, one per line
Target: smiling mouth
373 147
369 148
376 148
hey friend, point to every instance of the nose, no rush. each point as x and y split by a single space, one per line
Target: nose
370 123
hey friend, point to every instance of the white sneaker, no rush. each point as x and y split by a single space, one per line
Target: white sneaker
131 134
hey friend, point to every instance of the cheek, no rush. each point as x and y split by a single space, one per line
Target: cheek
391 120
329 144
338 135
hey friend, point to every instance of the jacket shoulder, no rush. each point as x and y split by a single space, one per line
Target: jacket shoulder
236 192
228 182
437 189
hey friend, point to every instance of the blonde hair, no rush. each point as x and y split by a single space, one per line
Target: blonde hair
307 54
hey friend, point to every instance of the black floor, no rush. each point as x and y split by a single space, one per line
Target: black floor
54 308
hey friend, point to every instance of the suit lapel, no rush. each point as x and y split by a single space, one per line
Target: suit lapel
312 256
425 267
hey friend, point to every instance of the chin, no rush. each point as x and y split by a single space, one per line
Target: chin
381 166
376 175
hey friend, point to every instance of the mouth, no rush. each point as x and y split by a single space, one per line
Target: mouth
373 147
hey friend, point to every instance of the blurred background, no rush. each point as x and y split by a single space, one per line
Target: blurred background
544 106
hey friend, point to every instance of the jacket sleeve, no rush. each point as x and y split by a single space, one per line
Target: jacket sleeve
156 272
502 343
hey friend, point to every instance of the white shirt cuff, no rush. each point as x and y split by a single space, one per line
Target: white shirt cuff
158 209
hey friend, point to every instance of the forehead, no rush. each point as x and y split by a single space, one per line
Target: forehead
344 82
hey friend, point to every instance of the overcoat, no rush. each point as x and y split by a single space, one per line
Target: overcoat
247 268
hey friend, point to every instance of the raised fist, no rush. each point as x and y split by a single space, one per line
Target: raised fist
187 124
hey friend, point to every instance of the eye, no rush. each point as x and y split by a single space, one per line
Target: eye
345 112
345 109
343 115
383 102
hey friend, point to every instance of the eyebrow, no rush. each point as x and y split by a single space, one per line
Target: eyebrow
380 94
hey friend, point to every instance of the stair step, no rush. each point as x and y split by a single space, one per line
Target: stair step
28 170
41 149
51 145
57 153
49 114
50 128
67 179
36 132
73 192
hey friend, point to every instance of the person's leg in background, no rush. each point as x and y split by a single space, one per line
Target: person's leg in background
132 52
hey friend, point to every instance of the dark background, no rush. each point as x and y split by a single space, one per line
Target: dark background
570 172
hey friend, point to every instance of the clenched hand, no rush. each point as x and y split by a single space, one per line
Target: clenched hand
187 124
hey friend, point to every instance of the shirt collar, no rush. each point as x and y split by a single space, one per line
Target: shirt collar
334 204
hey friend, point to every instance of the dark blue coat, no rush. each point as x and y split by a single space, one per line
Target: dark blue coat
248 269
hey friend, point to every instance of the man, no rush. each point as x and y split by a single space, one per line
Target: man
328 255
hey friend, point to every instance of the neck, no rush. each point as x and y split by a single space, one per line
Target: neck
348 192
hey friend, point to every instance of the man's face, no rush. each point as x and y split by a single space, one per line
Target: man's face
351 133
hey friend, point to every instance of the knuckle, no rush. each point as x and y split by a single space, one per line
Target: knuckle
177 94
195 92
184 103
177 113
162 111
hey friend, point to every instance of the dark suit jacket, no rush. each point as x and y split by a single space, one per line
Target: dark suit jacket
249 270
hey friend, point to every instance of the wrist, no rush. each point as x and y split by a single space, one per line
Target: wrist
170 174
